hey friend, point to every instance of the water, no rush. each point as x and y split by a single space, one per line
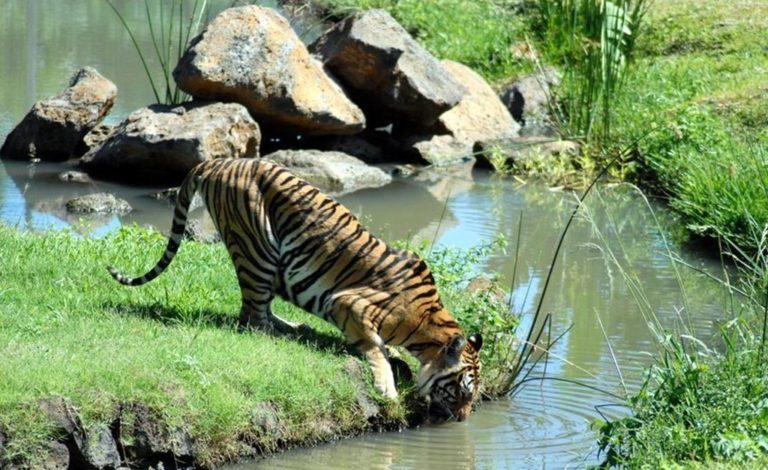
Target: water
547 425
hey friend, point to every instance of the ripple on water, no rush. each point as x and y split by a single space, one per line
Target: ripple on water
544 425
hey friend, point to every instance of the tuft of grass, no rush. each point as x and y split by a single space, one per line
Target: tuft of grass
170 32
594 40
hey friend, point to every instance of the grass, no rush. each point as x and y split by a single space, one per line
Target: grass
594 42
67 330
700 406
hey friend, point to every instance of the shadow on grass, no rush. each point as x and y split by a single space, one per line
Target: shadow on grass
172 316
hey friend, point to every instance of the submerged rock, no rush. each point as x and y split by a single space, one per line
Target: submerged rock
524 150
333 172
54 128
74 177
162 143
440 150
100 203
251 55
386 70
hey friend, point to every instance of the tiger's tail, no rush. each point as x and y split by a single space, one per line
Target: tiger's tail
183 201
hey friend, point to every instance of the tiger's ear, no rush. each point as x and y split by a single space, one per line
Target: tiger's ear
476 341
454 349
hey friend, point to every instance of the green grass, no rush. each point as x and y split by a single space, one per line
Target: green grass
696 410
66 329
695 113
478 33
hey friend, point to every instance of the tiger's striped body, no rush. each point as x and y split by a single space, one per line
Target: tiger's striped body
286 237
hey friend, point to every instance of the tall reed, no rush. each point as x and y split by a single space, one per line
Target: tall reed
170 28
594 40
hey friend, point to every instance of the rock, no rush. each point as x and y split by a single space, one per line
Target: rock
388 74
527 98
143 435
197 231
3 444
480 115
251 55
266 422
54 128
368 405
100 450
102 203
487 286
97 135
333 172
74 177
440 150
162 143
523 150
56 457
63 416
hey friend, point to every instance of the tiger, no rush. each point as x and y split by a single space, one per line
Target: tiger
286 237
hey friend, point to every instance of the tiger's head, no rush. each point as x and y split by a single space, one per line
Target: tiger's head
451 381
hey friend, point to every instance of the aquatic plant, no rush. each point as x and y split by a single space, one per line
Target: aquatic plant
170 32
594 40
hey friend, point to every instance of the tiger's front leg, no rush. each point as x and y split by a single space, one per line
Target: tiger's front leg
383 379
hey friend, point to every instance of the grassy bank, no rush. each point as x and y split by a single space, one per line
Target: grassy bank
67 330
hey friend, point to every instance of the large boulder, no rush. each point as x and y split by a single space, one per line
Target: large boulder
389 75
333 172
251 55
54 128
162 143
480 115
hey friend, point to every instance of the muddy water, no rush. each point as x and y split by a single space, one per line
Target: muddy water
546 425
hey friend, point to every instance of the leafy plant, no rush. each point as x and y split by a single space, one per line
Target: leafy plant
595 41
170 32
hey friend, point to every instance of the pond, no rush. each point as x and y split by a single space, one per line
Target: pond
548 423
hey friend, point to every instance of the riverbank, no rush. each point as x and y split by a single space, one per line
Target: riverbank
160 372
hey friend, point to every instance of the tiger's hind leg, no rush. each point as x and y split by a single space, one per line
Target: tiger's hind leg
256 311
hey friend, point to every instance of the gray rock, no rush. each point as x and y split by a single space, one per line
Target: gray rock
523 150
54 128
101 203
368 405
74 177
386 70
251 55
333 172
265 420
440 150
199 232
528 98
56 457
162 143
100 449
143 435
64 419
